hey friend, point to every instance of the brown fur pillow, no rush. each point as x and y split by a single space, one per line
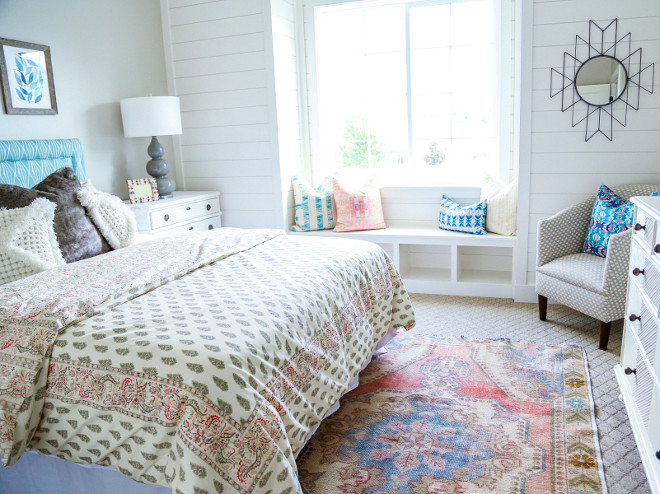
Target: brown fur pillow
76 234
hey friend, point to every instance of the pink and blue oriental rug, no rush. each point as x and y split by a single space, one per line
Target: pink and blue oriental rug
461 416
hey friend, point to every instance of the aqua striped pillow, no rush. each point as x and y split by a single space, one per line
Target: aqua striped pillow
313 206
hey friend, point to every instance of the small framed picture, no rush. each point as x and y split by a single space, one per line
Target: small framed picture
26 73
142 190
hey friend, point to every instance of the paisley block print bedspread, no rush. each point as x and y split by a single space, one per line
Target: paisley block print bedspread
206 372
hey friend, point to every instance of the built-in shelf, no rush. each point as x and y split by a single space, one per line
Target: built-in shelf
437 261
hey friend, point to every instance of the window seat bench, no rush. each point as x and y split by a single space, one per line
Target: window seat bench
437 261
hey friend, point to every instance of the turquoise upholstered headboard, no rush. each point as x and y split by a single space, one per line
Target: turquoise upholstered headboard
26 163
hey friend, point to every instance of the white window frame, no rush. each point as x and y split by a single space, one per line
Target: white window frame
504 101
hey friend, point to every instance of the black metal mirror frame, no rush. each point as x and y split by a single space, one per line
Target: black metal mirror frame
601 118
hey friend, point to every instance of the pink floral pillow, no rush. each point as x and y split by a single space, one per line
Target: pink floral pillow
358 205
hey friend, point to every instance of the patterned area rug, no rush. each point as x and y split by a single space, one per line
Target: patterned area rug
461 416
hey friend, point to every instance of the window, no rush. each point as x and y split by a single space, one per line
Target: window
412 89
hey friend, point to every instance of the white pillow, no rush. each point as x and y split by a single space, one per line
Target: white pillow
112 217
28 243
502 210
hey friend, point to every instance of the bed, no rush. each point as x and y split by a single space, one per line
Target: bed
201 362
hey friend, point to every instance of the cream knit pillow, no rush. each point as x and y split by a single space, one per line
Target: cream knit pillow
502 212
28 243
112 217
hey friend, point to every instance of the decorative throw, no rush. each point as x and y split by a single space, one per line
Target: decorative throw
112 217
314 209
461 416
502 215
27 241
467 219
76 234
358 204
611 214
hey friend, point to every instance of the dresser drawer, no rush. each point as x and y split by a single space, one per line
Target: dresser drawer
645 269
642 320
644 227
209 223
183 212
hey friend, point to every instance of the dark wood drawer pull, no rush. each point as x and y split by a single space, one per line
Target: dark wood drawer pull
656 249
167 217
657 454
629 371
637 271
208 207
639 227
190 227
634 318
188 208
210 227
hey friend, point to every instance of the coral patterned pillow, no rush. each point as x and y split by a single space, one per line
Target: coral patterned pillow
611 214
358 205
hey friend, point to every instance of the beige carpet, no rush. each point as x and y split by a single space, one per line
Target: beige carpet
500 318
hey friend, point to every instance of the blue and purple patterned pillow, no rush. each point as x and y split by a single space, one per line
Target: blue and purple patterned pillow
611 214
467 219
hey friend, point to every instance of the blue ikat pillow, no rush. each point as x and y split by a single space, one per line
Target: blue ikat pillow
467 219
313 209
611 214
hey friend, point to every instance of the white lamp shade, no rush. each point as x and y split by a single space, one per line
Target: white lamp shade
151 116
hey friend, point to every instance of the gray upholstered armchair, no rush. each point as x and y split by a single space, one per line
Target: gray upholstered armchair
593 285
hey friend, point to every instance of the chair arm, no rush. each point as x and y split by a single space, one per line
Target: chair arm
617 262
563 233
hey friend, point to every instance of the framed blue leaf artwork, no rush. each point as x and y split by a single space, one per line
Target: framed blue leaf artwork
26 73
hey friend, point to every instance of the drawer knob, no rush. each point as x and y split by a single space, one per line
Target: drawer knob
208 207
188 208
634 317
656 249
639 227
657 454
210 227
190 228
629 371
167 217
637 271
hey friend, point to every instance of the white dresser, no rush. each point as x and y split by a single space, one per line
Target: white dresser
184 211
638 373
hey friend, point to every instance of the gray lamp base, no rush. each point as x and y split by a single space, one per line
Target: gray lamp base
158 168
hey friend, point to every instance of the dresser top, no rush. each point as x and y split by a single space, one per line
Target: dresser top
178 197
650 204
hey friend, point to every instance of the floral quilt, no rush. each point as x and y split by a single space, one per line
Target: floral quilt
199 362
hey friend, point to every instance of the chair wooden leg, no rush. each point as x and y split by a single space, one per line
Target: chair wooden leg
543 307
604 334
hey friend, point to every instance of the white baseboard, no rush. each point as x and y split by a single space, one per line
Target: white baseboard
525 294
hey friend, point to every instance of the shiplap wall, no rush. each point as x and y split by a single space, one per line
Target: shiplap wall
563 168
221 67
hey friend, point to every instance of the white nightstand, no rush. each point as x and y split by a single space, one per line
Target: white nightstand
184 211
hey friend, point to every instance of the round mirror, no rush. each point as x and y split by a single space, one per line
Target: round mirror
601 80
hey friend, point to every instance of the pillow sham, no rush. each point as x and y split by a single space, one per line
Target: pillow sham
502 215
112 217
314 208
610 215
28 243
358 204
77 236
466 219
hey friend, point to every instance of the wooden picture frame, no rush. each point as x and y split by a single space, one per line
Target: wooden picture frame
26 73
142 190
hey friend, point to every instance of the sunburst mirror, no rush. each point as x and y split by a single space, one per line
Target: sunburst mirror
601 80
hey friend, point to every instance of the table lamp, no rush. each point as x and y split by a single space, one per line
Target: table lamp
153 116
